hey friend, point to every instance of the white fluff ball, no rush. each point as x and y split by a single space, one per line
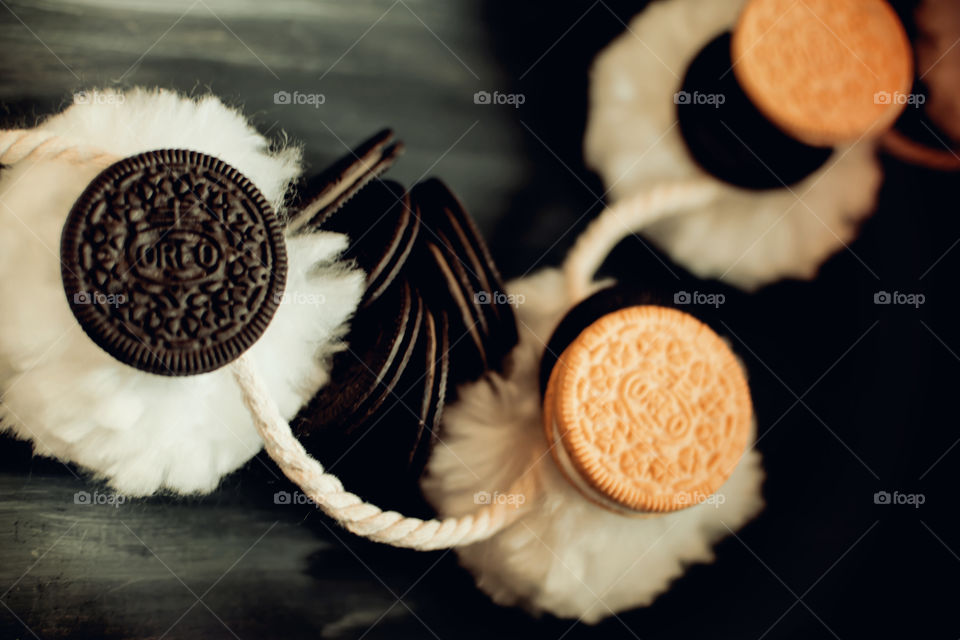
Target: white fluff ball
143 432
567 556
747 238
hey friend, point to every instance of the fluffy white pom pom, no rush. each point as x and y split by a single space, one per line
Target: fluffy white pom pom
144 432
567 556
747 238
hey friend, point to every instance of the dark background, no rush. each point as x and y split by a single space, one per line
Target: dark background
852 398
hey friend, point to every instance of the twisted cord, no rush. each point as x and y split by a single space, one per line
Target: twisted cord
357 516
624 218
35 144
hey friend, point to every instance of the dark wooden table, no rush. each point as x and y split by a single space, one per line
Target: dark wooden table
852 398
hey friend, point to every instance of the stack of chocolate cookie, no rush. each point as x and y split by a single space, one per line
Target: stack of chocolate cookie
434 315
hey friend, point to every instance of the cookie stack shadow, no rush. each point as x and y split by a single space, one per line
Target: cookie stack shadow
434 315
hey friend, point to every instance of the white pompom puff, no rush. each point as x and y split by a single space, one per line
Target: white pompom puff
747 238
543 546
144 432
564 555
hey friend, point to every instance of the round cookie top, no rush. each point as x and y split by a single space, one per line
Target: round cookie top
173 262
651 407
824 71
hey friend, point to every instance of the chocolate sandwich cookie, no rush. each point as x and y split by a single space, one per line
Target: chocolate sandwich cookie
324 194
437 368
392 263
384 432
456 231
396 381
416 403
173 262
378 346
443 288
382 230
397 422
431 198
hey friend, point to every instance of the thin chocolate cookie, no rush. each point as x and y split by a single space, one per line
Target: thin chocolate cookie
173 262
382 432
430 197
378 338
390 384
324 194
382 230
391 264
455 230
408 420
437 370
395 423
442 289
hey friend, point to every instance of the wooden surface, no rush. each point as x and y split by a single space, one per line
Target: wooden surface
852 398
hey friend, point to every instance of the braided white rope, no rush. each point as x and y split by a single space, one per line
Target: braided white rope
624 218
349 510
32 144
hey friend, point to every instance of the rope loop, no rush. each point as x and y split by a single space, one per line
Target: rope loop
17 145
357 516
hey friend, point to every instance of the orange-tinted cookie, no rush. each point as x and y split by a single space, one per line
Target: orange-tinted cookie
648 409
824 71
